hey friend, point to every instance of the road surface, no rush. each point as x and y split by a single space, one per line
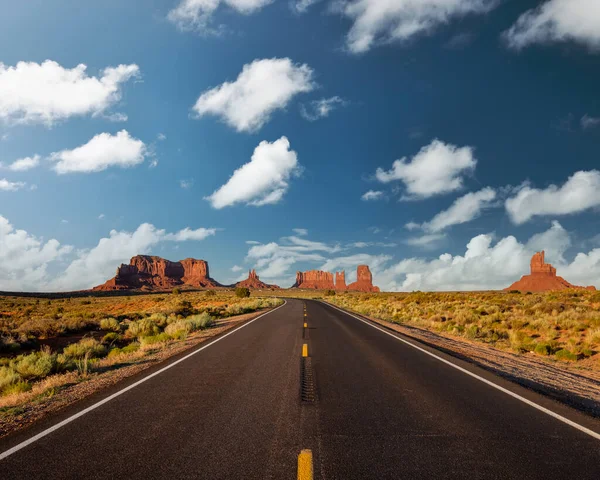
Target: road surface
381 409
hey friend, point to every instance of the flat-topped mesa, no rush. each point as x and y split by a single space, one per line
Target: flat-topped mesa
364 280
156 273
314 279
542 277
253 282
340 280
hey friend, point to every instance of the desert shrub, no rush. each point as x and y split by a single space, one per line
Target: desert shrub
36 365
189 324
543 349
8 376
159 319
242 292
86 346
329 293
176 291
111 338
142 328
14 388
565 354
514 291
111 324
185 308
131 348
210 293
154 339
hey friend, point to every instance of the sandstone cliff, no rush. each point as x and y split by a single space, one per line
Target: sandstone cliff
155 273
317 279
542 277
253 282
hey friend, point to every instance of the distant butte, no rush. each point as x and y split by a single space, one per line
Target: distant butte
253 282
145 272
542 278
320 280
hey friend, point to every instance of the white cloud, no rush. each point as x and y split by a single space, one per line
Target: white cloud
101 152
161 137
488 266
580 192
8 186
262 87
186 184
427 242
45 93
588 122
301 6
24 258
321 108
23 164
558 21
188 234
436 169
197 14
263 180
236 268
463 210
101 216
384 21
300 231
372 195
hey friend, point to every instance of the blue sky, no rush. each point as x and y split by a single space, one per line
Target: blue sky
441 142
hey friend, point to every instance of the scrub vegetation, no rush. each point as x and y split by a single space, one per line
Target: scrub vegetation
48 344
563 326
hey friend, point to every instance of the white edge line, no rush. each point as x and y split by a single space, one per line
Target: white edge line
571 423
72 418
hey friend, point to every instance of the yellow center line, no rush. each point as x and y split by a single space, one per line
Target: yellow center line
305 465
305 324
305 350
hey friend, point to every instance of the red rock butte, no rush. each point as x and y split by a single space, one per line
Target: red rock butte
253 282
320 280
155 273
542 278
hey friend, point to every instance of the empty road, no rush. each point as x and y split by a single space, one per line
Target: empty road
378 409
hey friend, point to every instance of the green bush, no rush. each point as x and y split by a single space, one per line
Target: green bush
176 291
154 339
111 324
142 328
18 387
543 349
8 376
329 293
565 354
111 338
131 348
36 365
189 324
242 292
210 293
86 346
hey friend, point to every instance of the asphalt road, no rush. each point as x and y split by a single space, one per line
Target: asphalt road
382 409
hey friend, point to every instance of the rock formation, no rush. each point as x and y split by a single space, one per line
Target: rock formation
364 280
542 278
254 282
155 273
317 279
340 281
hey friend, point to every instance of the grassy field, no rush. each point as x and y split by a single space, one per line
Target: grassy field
49 343
564 326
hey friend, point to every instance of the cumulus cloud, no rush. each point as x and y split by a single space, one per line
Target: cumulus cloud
300 231
321 108
262 87
24 258
372 195
428 241
8 186
101 152
463 210
24 164
186 184
263 180
378 22
438 168
301 6
32 93
490 265
580 192
236 268
557 21
197 14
